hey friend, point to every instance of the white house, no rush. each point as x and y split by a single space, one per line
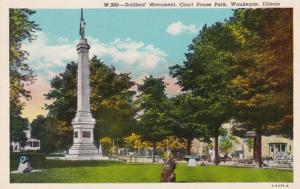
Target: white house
32 144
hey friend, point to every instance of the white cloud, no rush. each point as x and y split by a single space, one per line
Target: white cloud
130 52
45 56
177 28
126 52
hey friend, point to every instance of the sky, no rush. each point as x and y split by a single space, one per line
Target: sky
142 42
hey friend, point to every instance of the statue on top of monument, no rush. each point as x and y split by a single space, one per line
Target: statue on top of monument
81 27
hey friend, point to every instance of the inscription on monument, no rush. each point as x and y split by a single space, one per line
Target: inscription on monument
86 134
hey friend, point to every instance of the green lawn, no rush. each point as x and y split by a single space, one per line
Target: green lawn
105 174
116 172
231 174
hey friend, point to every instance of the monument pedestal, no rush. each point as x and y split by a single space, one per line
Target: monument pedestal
83 140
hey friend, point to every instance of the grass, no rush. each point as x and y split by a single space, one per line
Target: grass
38 161
101 174
58 171
230 174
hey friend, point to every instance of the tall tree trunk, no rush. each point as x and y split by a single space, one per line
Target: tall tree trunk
254 148
189 146
216 148
258 150
154 152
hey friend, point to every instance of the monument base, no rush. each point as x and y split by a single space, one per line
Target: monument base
84 151
78 158
84 157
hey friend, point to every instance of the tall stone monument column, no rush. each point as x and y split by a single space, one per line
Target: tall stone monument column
83 123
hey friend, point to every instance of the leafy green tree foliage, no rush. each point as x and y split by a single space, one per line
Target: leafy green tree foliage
62 109
37 126
40 131
54 134
63 94
106 143
173 144
250 143
111 101
227 143
153 123
21 28
134 142
185 122
17 133
272 64
206 73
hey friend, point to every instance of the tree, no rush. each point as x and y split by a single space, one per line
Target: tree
63 92
185 122
39 131
135 142
21 28
243 69
263 85
111 101
54 134
63 107
206 73
173 144
37 126
153 123
227 143
17 133
250 143
106 143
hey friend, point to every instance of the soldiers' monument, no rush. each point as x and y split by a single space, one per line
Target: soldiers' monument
83 124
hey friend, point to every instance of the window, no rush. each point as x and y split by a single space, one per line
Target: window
277 150
86 134
35 144
76 134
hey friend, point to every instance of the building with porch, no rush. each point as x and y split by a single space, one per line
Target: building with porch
274 146
31 144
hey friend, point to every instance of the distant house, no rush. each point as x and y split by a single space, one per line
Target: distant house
32 144
274 146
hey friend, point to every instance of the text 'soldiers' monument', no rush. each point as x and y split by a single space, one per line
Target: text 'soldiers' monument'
83 123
